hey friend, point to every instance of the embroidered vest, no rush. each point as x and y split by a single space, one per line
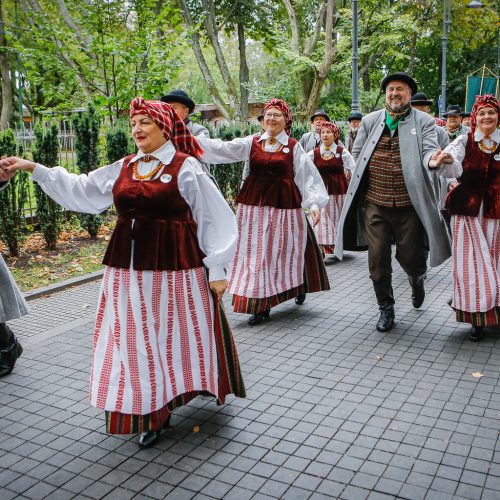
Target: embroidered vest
271 181
332 171
386 183
156 217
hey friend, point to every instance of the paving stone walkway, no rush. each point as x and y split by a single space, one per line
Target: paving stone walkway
334 408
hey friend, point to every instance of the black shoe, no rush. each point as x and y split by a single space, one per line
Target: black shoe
476 334
386 320
8 357
258 318
417 291
300 299
149 438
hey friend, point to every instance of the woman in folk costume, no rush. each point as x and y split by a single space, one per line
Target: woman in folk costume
474 205
161 337
335 165
277 257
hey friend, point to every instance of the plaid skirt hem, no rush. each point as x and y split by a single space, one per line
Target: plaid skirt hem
486 319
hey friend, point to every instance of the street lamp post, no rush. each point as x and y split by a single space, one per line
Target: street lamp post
444 40
355 103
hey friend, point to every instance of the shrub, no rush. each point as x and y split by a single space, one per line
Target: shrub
12 199
86 127
49 213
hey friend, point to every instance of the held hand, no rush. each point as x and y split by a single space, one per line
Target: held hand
347 173
218 287
440 157
452 185
12 164
315 216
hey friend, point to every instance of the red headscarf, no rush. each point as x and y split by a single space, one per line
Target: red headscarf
284 108
171 126
440 122
330 126
483 101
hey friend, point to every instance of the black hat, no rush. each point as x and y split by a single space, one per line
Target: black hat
401 76
453 109
179 95
320 112
466 115
420 99
355 115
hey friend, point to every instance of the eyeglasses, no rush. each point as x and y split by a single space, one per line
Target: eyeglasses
273 115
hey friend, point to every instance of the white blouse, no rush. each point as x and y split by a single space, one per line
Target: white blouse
457 150
306 175
92 193
347 158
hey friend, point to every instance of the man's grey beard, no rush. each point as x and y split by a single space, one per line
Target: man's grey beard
396 107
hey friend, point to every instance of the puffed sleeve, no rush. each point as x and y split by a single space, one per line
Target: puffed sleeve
217 229
457 150
348 160
90 194
308 180
217 151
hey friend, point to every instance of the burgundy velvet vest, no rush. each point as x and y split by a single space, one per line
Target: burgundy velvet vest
332 171
479 182
164 231
270 182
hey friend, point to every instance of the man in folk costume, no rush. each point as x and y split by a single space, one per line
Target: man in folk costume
441 185
354 123
277 258
161 336
391 196
12 306
474 206
454 126
311 140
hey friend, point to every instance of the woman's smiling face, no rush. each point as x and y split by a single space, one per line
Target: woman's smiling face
147 135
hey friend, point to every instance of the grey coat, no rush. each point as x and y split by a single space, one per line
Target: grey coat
309 141
441 183
417 142
12 303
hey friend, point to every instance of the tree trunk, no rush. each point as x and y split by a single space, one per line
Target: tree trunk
244 73
202 63
6 114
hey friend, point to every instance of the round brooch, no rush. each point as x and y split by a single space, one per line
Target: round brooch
165 178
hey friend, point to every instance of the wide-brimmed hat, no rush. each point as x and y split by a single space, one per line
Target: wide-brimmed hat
453 110
466 115
402 77
320 112
179 95
420 99
355 115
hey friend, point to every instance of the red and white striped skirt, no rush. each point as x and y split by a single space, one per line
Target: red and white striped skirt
326 229
153 340
476 263
270 256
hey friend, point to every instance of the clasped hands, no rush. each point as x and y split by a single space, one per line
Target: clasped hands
10 165
439 158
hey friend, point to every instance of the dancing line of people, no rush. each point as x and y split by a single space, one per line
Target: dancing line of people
161 336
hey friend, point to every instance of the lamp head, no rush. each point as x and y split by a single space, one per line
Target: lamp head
475 4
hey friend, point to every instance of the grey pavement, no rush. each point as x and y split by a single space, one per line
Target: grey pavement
334 409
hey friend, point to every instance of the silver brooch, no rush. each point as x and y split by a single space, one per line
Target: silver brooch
337 155
497 157
286 150
413 131
165 178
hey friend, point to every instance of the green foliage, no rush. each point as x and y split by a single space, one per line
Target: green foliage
49 213
86 127
12 199
118 145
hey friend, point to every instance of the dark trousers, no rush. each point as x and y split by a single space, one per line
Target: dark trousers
6 336
399 225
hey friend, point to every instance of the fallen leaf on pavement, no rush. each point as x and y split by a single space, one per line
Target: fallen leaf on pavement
477 375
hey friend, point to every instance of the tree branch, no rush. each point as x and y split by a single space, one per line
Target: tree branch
311 46
293 26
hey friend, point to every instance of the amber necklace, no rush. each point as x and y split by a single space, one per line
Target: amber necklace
272 141
328 155
487 149
151 174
